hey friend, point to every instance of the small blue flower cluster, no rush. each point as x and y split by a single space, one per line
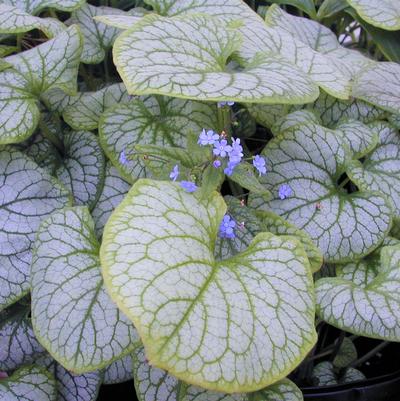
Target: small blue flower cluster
227 227
233 151
188 186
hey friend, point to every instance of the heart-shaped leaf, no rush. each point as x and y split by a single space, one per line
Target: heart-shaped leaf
324 374
72 387
370 310
332 110
203 73
14 20
28 194
309 160
72 315
82 169
82 111
381 13
157 120
346 354
36 6
156 384
379 84
52 64
163 274
380 171
124 20
18 344
97 37
114 190
119 371
30 383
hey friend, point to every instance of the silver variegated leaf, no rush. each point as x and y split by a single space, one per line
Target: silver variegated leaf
98 38
72 315
31 383
370 309
18 344
114 190
203 73
158 264
157 120
28 194
310 160
14 20
384 14
380 171
119 371
83 167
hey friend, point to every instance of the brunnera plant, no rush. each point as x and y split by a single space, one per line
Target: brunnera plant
190 210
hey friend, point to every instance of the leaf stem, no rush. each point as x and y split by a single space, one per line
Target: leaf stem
224 120
369 354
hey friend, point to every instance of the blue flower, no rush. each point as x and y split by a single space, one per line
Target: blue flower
285 191
226 228
221 148
236 155
174 173
228 170
188 186
259 164
122 158
228 103
217 163
208 138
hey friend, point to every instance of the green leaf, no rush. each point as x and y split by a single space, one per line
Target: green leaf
18 343
277 225
6 50
371 310
72 387
211 180
204 75
51 64
29 384
14 20
162 121
380 170
158 264
305 5
310 159
347 354
114 190
119 371
97 37
244 175
83 111
332 110
82 169
155 384
67 286
381 13
324 374
28 195
396 228
36 6
379 84
331 7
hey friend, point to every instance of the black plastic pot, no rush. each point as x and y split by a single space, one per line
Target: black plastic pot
383 388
